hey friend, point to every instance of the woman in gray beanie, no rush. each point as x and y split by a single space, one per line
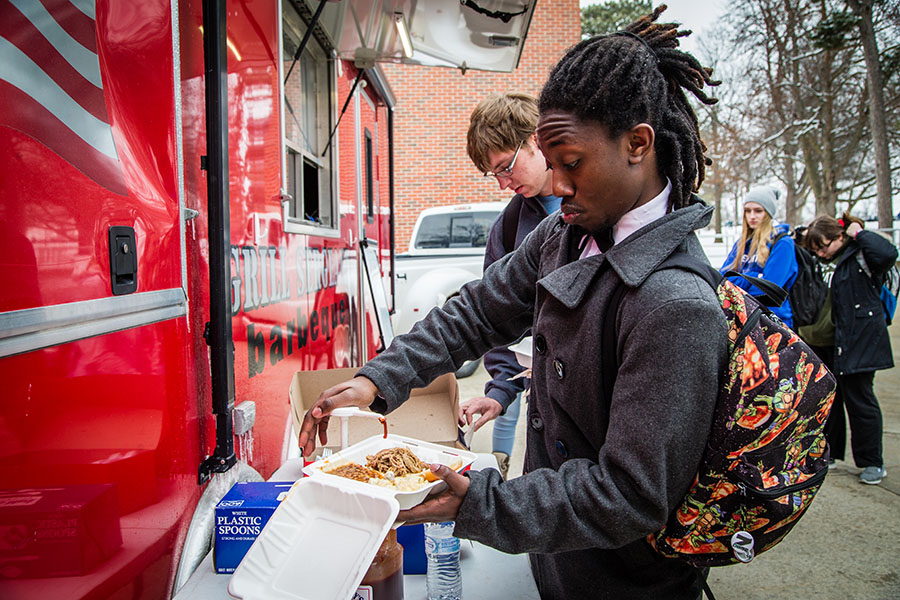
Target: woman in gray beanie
765 249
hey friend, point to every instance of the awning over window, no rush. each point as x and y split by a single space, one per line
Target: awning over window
486 35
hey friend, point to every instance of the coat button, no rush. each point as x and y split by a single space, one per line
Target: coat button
560 368
540 344
561 448
537 423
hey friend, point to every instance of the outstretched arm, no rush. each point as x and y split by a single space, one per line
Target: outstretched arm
358 391
491 312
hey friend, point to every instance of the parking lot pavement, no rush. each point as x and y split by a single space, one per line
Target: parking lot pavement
844 548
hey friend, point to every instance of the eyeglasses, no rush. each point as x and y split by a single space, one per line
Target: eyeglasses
507 172
817 246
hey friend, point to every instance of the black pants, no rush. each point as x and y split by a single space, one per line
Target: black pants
856 394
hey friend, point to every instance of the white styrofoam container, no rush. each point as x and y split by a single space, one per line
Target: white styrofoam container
524 352
426 451
318 544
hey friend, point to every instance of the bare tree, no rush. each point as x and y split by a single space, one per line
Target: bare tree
724 131
771 34
805 93
863 10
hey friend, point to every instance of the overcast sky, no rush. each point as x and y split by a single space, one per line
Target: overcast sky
695 15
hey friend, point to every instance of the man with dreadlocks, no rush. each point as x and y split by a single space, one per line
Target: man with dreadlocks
600 474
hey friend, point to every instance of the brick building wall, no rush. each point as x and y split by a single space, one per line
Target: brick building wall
432 116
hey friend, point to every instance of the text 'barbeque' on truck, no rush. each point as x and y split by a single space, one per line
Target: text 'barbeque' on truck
197 202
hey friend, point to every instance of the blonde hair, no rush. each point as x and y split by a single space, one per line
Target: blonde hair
759 242
500 123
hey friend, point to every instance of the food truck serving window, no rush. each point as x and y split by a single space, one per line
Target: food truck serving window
308 116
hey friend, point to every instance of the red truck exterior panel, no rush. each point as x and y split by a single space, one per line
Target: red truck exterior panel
101 436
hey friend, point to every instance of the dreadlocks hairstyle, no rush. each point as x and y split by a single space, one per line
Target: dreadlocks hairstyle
633 76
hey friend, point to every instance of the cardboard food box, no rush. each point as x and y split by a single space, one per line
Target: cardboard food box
58 531
240 517
430 414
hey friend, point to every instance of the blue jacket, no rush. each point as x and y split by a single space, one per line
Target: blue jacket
780 269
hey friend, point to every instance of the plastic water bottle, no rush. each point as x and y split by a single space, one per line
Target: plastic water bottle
443 578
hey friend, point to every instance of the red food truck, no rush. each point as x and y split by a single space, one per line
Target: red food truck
195 202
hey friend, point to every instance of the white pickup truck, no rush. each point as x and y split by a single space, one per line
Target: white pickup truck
445 252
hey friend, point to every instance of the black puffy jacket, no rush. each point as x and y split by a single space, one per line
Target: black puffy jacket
861 341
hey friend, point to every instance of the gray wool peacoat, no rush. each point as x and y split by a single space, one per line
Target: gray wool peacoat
599 478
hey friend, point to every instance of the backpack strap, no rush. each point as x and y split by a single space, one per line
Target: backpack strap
608 353
706 589
510 223
686 262
774 295
676 260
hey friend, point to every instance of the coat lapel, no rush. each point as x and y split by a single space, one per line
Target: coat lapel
570 282
571 279
657 240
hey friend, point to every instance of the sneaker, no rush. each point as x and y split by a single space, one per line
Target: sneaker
872 475
832 464
502 463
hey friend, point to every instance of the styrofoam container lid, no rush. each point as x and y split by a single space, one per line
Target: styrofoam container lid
426 451
318 544
523 351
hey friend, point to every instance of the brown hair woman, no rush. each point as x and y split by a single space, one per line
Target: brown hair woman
851 334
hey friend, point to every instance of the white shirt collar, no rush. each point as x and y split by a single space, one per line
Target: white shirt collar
634 220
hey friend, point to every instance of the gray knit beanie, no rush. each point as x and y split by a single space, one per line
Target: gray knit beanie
765 197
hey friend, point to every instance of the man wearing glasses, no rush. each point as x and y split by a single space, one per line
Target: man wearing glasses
503 145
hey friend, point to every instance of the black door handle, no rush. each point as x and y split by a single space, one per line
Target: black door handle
122 260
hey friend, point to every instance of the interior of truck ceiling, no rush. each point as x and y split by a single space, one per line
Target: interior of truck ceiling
485 35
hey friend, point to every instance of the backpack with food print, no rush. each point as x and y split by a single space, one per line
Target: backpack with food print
766 456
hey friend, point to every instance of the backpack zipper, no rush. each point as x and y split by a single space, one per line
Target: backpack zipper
747 490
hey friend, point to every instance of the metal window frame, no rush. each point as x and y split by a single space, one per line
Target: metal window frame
292 224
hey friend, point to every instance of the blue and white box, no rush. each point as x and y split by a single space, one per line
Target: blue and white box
241 516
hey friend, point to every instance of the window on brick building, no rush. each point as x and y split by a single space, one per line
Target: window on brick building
307 116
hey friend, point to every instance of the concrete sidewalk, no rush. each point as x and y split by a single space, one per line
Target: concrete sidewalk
842 549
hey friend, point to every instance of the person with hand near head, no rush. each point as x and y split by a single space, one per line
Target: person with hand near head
850 334
765 249
502 143
601 474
